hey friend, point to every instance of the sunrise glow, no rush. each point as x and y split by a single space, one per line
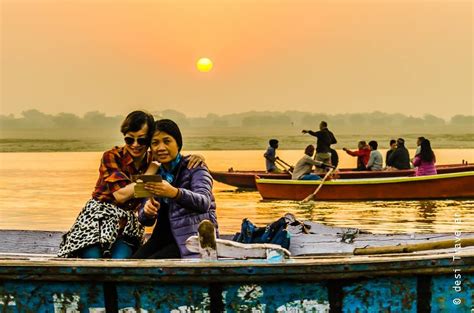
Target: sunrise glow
204 65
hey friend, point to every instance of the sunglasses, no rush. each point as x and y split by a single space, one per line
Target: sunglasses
142 141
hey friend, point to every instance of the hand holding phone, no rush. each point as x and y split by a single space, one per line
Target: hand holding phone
141 180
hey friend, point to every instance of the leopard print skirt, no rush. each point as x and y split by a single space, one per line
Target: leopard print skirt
99 223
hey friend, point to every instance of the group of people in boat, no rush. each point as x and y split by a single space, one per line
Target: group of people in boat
368 156
322 156
113 221
396 158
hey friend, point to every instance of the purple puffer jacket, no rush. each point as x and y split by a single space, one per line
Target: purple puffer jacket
195 204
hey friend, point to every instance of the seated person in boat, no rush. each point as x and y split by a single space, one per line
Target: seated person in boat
182 200
107 226
393 146
400 157
424 162
419 140
270 157
375 162
363 155
304 167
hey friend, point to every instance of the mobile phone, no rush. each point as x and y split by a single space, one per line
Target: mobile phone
146 178
140 180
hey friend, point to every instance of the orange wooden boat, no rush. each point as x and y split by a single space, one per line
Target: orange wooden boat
441 186
246 179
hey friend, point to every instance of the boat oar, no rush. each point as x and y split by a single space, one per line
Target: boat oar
278 162
290 166
282 164
443 244
311 196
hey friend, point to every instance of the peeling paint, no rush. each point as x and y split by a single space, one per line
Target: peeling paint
250 292
304 306
203 307
8 299
250 295
66 303
132 310
249 288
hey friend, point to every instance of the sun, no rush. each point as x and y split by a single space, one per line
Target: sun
204 65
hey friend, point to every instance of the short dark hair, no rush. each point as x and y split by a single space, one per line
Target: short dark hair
309 150
400 142
392 141
373 144
362 142
324 124
272 142
135 121
172 129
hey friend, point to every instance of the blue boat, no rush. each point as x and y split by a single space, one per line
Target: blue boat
424 281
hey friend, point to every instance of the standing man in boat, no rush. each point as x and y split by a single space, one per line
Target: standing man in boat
400 158
270 157
325 138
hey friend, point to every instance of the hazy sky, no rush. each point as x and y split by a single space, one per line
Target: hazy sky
333 56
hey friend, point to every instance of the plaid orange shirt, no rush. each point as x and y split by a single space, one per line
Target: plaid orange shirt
115 172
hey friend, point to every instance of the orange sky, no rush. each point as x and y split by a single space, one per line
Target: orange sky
338 56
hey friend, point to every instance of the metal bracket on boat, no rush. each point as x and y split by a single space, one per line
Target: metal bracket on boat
349 235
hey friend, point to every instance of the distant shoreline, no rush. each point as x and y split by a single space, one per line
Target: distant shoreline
229 143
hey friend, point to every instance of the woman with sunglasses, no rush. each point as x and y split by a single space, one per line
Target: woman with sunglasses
182 200
108 226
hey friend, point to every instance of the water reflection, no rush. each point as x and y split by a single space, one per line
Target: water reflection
55 186
374 216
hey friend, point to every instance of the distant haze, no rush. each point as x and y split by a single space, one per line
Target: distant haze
333 57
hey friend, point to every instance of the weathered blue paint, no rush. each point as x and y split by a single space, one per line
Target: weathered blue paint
355 284
276 297
395 294
445 298
159 297
38 297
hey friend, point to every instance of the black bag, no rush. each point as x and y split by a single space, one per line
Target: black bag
274 233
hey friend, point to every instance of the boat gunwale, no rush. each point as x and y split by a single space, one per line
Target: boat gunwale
349 259
365 181
223 272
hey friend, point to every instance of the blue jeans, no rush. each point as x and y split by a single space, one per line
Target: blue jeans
120 250
310 177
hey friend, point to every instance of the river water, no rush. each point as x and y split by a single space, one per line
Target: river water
46 191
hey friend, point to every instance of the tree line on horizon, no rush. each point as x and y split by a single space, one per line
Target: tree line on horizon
250 121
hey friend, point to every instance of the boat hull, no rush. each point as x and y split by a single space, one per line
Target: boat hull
398 283
246 179
455 185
